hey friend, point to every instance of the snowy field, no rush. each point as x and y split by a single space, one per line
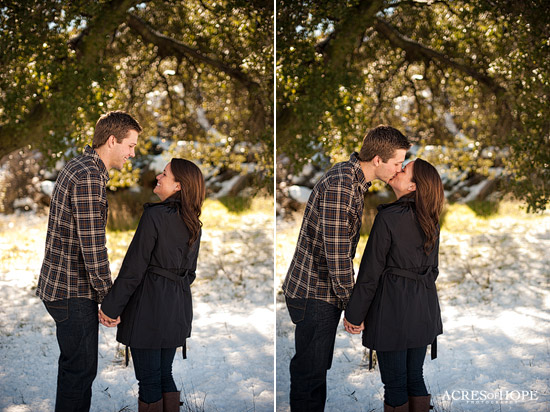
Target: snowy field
494 291
230 353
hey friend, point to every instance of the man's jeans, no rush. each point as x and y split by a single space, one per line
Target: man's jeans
153 369
316 324
76 322
401 373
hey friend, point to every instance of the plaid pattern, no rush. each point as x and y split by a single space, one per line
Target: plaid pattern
322 266
75 261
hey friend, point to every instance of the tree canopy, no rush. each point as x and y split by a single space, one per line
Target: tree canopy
197 72
468 79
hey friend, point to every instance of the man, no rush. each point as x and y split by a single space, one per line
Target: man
75 274
320 278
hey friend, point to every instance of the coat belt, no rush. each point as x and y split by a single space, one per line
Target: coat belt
176 276
421 277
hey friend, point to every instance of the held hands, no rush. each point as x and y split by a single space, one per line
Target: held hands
107 321
353 329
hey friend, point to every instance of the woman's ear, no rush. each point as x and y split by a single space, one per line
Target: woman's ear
412 187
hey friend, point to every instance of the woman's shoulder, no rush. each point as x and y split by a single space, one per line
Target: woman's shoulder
397 213
158 211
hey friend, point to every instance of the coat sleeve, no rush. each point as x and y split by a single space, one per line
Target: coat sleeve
334 214
436 263
192 271
134 266
372 266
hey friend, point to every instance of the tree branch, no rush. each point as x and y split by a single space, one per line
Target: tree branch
418 52
423 4
168 47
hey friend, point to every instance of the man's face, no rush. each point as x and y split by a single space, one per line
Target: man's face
124 150
387 170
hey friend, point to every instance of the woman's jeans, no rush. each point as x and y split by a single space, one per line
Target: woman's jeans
316 324
401 373
76 323
153 369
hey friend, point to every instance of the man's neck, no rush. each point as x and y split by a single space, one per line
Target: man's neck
368 170
102 153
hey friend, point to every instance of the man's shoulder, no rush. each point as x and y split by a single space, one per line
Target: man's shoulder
81 167
341 174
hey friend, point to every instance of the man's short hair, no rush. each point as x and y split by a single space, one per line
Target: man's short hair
116 123
383 141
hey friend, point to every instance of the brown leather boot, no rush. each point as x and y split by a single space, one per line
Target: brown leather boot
419 403
171 401
150 407
401 408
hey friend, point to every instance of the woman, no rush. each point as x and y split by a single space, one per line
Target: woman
152 292
395 299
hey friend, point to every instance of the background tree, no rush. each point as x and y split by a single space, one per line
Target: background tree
470 78
197 72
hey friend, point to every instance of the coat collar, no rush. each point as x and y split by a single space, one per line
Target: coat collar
405 201
170 201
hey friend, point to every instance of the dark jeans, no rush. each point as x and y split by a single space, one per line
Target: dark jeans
401 373
76 323
153 369
316 324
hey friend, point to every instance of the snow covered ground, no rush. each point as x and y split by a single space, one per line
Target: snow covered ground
230 353
494 291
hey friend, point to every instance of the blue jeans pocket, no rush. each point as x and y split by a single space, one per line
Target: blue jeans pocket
296 309
58 310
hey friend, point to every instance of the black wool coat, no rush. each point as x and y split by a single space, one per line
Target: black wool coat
395 293
155 310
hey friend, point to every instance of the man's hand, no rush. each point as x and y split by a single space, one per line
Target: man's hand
107 321
353 329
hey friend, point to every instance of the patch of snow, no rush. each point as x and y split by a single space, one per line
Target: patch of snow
495 299
47 187
24 203
299 193
230 353
227 185
474 191
159 162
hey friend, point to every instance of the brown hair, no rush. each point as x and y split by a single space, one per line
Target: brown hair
429 199
192 194
382 141
116 123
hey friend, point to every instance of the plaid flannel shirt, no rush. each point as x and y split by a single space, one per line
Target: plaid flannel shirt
322 266
75 261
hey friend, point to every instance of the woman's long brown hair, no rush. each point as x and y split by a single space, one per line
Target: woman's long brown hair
429 199
192 194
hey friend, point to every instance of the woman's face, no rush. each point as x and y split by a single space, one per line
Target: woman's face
166 184
402 182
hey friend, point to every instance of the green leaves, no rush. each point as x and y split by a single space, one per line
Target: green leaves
183 69
484 64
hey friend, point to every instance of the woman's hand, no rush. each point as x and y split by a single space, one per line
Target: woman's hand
353 329
107 321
